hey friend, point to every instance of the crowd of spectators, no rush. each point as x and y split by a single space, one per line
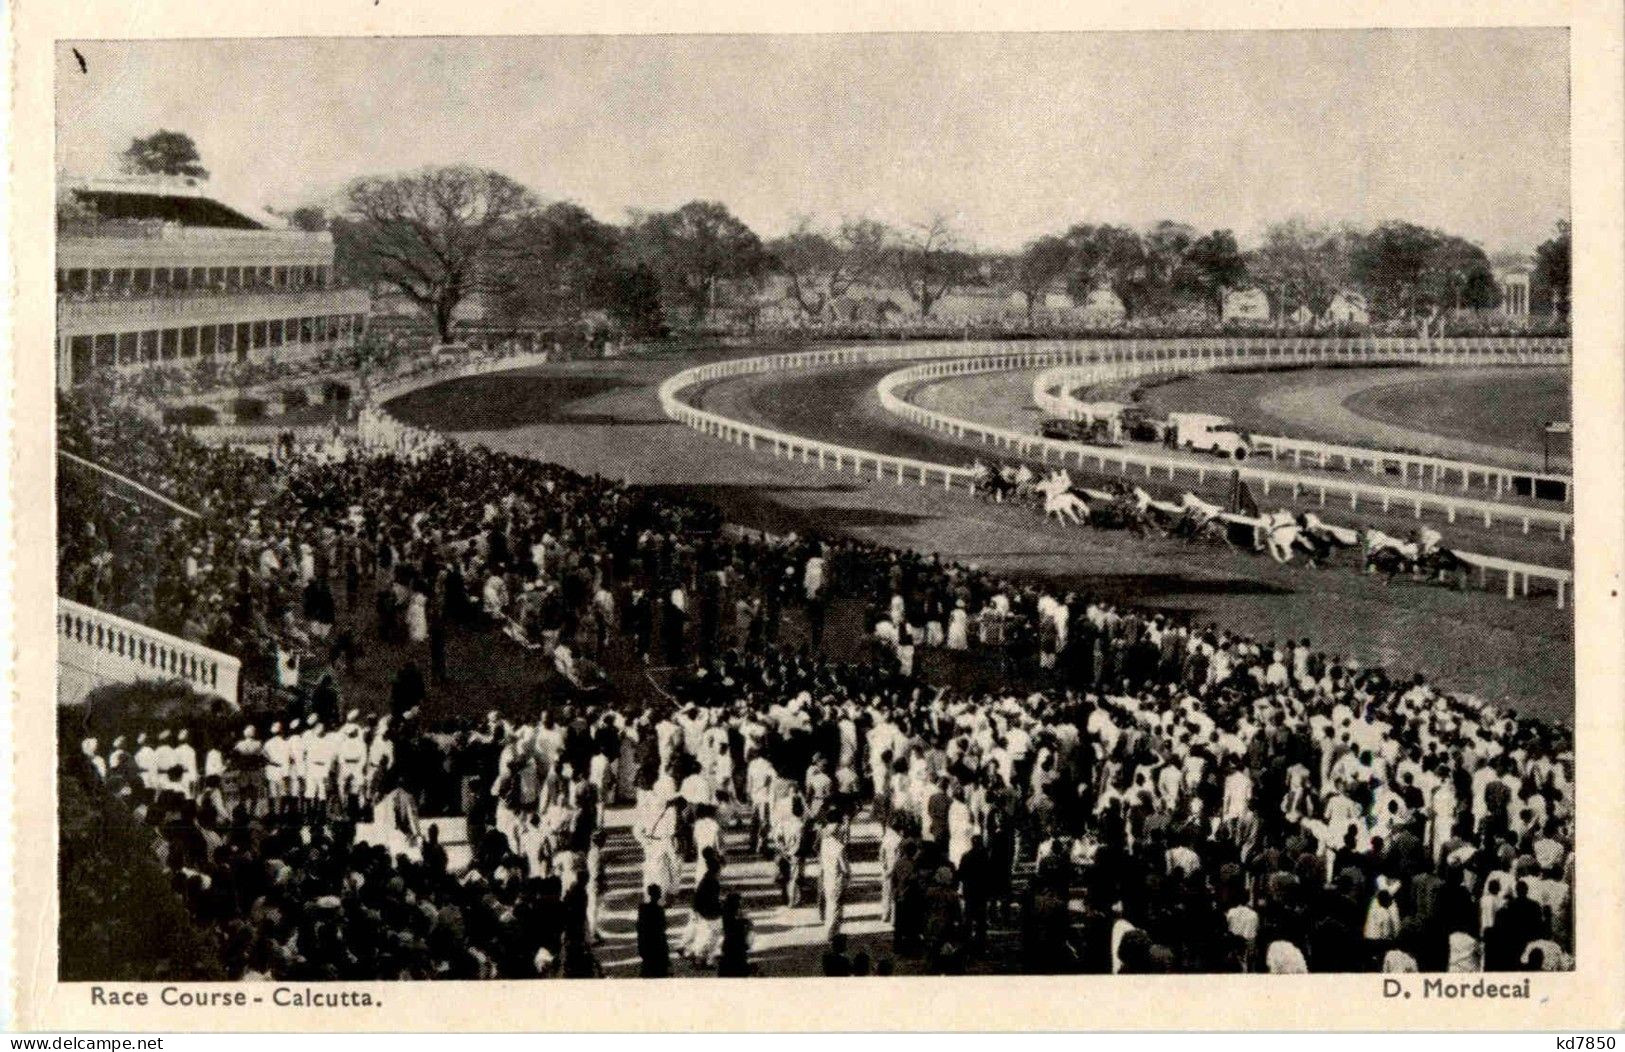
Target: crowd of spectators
155 383
1134 793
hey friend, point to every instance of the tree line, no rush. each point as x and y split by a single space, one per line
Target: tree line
440 236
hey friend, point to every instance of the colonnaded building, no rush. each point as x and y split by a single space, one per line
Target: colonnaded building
160 271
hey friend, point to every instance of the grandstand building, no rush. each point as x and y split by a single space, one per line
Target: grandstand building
161 271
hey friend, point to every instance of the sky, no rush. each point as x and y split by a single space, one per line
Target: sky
1008 135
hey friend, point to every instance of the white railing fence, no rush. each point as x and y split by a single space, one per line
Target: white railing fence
96 648
477 363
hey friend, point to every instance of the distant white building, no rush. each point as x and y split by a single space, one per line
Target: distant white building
971 304
1513 282
1249 304
1348 308
1050 301
1103 305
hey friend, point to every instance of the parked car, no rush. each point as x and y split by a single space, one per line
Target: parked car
1094 432
1065 430
1141 426
1210 434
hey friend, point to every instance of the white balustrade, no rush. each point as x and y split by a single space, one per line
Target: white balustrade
96 648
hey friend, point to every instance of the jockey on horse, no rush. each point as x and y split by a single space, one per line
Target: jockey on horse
1279 532
990 483
1387 553
1023 479
1424 555
1200 518
1198 509
1060 500
1320 538
1147 514
1433 559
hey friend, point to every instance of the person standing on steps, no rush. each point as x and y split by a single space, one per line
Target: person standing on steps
654 949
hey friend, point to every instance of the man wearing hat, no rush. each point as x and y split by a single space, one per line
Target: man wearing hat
248 756
352 764
380 757
186 760
834 873
321 755
278 754
116 756
163 758
298 764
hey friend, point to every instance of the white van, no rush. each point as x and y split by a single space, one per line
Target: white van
1209 433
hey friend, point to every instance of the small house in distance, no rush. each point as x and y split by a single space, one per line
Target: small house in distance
1249 304
1348 308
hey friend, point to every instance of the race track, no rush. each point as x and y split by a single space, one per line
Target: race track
604 417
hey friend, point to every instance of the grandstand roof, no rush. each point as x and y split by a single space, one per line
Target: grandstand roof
164 198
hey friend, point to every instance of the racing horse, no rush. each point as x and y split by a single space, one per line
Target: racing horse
992 485
1387 554
1278 533
1320 539
1061 500
1126 508
1282 532
1201 520
1423 558
1443 565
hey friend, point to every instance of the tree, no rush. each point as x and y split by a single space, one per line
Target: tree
308 218
1457 275
810 263
1390 264
164 152
432 233
1303 264
1107 256
634 300
929 263
73 210
820 269
558 264
1552 267
1168 278
695 248
1216 266
1038 267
